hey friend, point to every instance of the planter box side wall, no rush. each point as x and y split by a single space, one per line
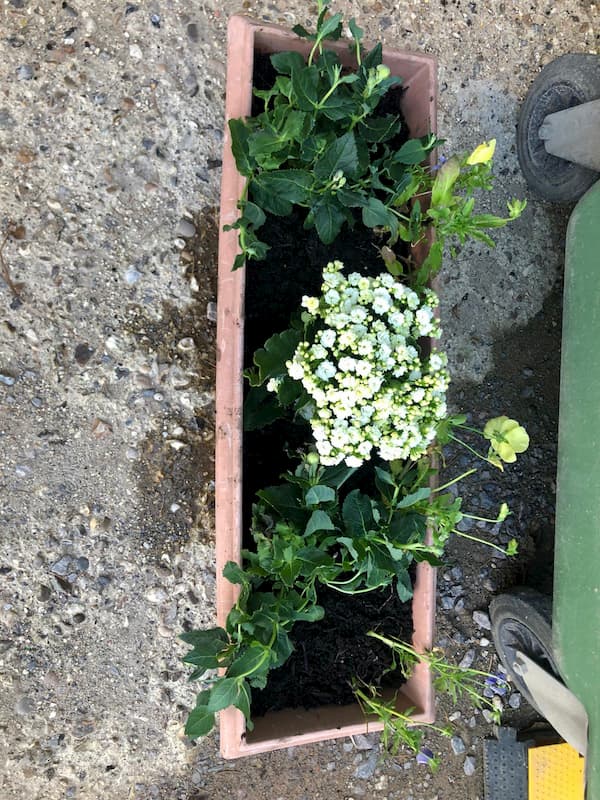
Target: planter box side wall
291 726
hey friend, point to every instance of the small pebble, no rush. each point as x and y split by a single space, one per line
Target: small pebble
457 745
135 51
482 620
192 31
156 595
454 716
25 72
211 312
469 766
483 642
83 353
185 228
132 276
7 380
367 768
155 20
514 701
467 659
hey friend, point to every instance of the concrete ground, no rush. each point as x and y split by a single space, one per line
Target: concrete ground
111 117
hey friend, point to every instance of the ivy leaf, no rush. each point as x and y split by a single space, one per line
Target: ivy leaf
319 521
199 722
341 155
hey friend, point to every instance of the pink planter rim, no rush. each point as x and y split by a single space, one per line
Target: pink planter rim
291 726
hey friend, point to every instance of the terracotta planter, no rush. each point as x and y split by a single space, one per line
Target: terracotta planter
291 726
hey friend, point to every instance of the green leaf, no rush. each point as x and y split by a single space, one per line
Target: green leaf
250 661
415 497
271 359
286 62
305 85
351 198
296 125
199 722
243 703
385 476
331 27
207 639
284 500
239 146
380 129
275 192
260 408
337 476
319 521
404 586
341 155
357 33
411 152
357 513
376 213
329 219
309 614
301 31
374 57
441 192
319 494
253 214
224 693
234 573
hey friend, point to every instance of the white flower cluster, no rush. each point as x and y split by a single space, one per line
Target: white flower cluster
369 386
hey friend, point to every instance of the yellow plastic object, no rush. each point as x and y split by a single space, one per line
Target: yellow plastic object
555 773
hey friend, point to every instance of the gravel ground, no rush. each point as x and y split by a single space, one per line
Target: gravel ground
111 118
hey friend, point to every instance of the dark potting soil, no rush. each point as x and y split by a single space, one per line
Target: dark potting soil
330 654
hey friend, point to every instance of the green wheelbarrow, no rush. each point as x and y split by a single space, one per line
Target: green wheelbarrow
550 647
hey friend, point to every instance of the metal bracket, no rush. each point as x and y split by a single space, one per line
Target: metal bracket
574 134
555 702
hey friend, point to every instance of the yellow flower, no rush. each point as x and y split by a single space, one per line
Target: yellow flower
507 438
483 153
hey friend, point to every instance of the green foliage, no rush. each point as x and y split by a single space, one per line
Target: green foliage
398 726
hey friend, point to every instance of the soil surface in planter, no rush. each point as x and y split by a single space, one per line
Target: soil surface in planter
331 653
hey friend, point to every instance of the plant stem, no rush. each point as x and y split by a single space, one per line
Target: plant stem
467 446
477 539
455 480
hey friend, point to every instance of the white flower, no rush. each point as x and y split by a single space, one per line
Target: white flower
325 371
369 386
311 304
274 383
295 370
327 337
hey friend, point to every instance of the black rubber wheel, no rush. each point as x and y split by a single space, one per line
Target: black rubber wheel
568 81
522 621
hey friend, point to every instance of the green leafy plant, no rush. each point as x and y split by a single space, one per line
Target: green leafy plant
320 144
399 727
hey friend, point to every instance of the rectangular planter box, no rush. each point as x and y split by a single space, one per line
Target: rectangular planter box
291 726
